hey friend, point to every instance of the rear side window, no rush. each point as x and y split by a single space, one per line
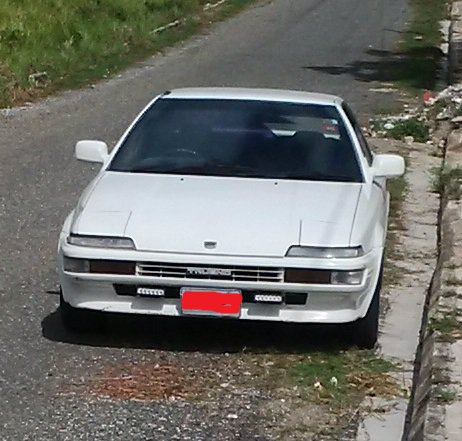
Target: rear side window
362 141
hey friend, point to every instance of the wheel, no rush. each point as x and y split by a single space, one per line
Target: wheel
365 331
79 320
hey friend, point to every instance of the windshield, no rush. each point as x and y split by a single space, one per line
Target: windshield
259 139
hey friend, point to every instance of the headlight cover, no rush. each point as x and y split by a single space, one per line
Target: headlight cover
325 252
101 241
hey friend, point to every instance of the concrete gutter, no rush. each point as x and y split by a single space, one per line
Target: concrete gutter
385 418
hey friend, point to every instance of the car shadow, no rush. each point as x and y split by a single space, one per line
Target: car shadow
414 67
198 334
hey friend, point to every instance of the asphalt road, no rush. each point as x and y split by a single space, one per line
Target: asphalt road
334 46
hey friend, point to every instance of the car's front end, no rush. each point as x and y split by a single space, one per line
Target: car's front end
333 285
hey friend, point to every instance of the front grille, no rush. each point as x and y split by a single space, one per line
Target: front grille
204 272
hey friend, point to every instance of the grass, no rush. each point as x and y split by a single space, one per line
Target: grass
328 388
343 377
54 44
421 44
397 188
447 326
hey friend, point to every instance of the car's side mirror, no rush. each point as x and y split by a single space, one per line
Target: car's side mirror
91 151
388 166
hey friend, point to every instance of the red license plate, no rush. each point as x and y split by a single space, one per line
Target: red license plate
211 302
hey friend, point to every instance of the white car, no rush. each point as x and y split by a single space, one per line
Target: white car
250 204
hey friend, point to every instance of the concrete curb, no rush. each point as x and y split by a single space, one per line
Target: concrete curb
385 418
444 419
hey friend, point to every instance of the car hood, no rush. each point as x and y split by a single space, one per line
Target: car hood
244 217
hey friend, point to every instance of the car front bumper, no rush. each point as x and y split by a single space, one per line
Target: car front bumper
325 303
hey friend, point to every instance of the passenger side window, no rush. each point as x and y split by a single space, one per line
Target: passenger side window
362 141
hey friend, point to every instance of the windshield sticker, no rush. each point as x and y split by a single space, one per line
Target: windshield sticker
330 129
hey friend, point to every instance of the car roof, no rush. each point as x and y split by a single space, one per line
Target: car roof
235 93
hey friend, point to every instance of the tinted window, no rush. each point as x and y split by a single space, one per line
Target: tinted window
240 138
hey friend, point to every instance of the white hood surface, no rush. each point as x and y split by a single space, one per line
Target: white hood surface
246 217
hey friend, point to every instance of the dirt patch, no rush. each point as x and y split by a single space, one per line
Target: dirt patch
139 382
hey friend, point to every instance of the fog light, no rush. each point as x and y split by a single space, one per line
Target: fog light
268 298
76 265
347 277
150 292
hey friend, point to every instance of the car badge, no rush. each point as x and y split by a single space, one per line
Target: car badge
210 244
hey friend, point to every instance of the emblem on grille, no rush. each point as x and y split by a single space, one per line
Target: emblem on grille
208 272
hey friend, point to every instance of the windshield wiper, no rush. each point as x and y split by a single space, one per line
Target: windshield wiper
203 169
167 170
319 177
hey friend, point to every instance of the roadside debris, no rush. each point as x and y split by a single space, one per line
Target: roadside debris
417 123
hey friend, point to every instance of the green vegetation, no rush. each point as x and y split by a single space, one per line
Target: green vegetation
448 181
445 396
421 44
51 44
332 383
343 377
411 127
397 188
448 327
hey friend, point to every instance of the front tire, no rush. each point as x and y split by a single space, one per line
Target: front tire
79 320
366 330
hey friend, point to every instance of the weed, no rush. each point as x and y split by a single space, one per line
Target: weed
448 181
453 281
445 396
450 293
410 127
397 188
448 327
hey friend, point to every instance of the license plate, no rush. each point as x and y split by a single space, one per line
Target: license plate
211 302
